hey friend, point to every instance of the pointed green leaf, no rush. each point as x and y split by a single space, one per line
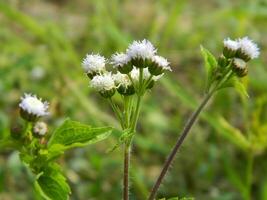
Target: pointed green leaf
74 134
210 65
52 186
237 84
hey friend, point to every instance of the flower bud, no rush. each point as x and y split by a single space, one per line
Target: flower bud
230 48
127 91
107 93
158 65
247 49
32 108
104 84
239 66
222 61
122 62
93 64
141 53
123 84
40 129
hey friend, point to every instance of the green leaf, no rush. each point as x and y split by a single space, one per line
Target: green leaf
126 135
74 134
237 84
210 65
52 185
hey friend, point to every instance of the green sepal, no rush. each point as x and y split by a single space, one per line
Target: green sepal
210 66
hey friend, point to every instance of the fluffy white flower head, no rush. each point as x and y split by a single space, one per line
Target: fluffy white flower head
32 105
103 82
162 62
231 44
248 47
40 128
141 49
121 79
119 59
93 63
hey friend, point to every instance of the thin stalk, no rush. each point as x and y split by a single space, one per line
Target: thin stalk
185 132
127 154
179 142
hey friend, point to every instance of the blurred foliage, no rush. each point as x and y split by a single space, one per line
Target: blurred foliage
42 44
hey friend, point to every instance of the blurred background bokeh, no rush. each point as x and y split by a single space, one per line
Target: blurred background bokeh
42 43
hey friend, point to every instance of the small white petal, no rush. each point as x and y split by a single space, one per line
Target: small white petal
93 63
141 49
248 47
103 82
119 59
32 105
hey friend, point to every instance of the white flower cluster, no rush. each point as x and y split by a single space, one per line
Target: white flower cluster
139 54
103 82
34 106
245 45
141 49
94 63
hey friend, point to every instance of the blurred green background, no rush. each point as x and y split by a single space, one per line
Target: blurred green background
42 44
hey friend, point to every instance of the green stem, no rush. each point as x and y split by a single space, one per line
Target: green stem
184 133
117 112
136 113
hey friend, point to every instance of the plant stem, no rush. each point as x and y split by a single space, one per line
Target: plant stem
178 144
127 154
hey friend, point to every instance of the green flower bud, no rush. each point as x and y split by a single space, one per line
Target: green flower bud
107 93
126 90
222 61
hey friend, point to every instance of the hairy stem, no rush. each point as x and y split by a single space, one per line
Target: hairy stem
178 144
127 154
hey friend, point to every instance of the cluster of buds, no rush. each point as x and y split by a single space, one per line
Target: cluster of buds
238 53
139 65
32 109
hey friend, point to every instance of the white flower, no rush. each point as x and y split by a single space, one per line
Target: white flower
119 59
93 63
162 62
32 105
121 79
231 44
146 75
141 49
40 128
248 47
103 82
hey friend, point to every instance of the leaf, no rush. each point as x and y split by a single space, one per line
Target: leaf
74 134
210 65
126 135
52 185
237 84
